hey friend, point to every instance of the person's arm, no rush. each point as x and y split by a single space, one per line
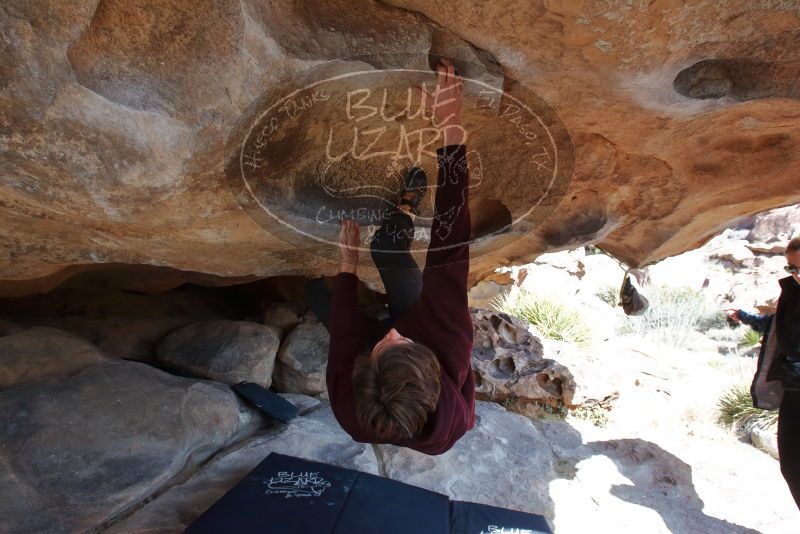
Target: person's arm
447 260
347 322
447 263
443 302
754 321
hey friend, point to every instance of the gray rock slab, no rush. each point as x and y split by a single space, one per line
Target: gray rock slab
76 452
40 352
303 402
315 437
227 351
303 360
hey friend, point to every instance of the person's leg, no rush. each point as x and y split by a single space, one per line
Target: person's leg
319 299
400 274
789 441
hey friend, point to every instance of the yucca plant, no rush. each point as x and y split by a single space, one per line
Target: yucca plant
736 410
750 338
551 318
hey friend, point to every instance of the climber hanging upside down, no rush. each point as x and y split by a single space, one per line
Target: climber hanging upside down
408 380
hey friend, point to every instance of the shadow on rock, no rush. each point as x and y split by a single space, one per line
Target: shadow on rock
659 480
662 482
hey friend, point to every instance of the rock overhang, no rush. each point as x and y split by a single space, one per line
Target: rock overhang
92 176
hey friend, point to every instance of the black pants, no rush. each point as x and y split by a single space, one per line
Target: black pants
789 441
400 274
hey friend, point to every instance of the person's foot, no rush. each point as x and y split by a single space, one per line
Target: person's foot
415 186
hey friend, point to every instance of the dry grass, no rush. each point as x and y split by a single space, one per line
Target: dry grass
552 319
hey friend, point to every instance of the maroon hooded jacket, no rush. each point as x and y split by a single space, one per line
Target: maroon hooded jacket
440 320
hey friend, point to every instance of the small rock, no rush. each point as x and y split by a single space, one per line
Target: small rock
767 248
228 351
766 440
303 402
303 360
41 352
484 292
281 315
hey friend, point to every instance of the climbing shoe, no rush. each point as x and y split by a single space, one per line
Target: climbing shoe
415 182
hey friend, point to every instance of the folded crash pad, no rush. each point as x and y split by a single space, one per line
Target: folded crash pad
285 494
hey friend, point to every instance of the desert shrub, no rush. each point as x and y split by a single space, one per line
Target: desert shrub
717 364
712 319
736 410
673 314
609 295
551 318
597 414
750 338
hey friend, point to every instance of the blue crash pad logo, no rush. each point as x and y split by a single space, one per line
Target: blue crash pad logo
291 484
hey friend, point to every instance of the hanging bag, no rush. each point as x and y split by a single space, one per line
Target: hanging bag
631 300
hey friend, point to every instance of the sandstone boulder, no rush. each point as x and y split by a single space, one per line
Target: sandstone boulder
281 315
315 437
227 351
484 292
776 227
509 362
766 440
130 110
41 352
76 452
736 254
303 360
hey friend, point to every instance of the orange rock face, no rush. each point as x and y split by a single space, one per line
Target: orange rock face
121 123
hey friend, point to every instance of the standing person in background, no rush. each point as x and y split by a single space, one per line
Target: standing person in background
409 381
777 379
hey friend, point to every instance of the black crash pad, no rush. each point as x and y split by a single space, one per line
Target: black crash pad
285 494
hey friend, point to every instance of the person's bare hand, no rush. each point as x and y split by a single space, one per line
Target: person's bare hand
349 240
733 314
446 103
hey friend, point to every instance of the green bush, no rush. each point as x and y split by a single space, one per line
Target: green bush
750 338
597 414
552 319
736 410
609 295
673 314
